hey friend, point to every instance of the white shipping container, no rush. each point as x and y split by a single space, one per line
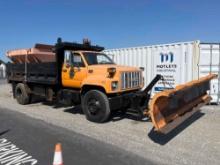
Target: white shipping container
2 71
177 62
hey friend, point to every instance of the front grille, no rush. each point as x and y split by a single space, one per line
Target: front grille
131 80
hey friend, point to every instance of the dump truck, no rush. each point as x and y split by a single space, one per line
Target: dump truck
75 73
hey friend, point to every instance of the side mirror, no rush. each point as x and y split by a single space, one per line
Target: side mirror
67 65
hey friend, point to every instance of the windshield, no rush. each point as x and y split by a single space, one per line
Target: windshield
97 58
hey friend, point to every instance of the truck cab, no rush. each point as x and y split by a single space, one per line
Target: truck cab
101 82
90 69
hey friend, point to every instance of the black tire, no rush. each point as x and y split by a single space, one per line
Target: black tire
21 94
95 106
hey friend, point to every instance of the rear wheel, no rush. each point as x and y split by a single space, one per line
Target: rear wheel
21 94
95 106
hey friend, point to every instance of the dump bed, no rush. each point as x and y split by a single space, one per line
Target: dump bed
33 65
39 73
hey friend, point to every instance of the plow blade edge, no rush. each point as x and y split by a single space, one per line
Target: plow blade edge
170 108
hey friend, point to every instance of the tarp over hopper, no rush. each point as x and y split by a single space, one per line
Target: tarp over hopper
40 53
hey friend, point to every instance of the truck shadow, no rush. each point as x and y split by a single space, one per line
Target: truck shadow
162 139
43 101
74 110
156 137
115 116
120 115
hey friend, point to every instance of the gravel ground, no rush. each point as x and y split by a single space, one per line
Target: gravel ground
197 141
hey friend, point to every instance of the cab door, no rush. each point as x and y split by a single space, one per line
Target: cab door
74 70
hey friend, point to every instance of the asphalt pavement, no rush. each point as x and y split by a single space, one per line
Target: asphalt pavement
38 138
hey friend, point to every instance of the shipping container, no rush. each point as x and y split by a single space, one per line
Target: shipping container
177 62
2 71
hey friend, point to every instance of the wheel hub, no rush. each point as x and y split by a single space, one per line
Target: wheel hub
93 106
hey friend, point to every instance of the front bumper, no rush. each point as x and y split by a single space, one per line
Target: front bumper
120 101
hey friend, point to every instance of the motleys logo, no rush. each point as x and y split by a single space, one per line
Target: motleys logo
166 57
167 62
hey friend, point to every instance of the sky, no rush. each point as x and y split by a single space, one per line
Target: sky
109 23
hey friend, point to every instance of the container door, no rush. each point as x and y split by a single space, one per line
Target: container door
209 62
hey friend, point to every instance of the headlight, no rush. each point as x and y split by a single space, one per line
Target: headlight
114 85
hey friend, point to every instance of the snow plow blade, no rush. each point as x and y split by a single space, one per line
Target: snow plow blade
170 108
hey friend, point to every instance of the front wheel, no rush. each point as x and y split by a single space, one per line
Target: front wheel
95 106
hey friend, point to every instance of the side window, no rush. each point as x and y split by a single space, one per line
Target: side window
77 60
67 56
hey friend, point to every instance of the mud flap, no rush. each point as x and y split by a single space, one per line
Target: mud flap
170 108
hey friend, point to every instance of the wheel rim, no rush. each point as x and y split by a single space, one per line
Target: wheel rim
94 106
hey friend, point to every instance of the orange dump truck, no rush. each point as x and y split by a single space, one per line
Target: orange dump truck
76 73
